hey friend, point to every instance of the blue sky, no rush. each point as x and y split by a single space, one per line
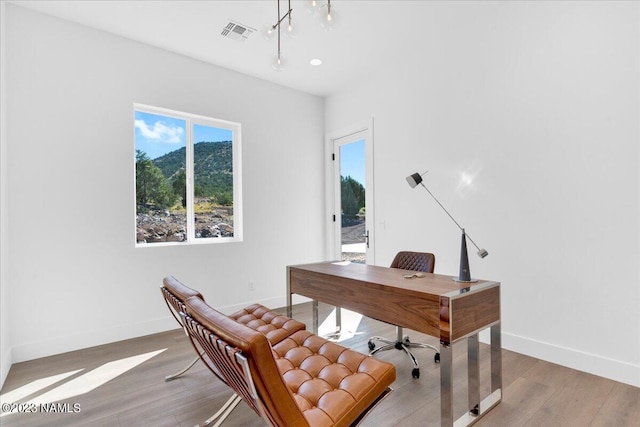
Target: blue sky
158 135
352 161
210 134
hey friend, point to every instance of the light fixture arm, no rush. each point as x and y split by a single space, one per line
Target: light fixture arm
278 24
280 19
465 274
456 222
278 65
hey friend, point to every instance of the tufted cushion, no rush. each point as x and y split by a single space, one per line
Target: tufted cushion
415 261
269 323
277 399
331 384
303 380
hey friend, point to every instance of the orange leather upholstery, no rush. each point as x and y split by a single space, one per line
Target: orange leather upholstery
303 380
175 294
179 289
331 384
269 323
272 324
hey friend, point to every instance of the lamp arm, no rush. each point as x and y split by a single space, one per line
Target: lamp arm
450 216
443 208
474 243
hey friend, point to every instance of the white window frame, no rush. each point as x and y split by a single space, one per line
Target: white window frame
190 121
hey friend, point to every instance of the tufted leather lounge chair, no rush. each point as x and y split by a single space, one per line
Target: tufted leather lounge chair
414 261
175 294
274 326
303 380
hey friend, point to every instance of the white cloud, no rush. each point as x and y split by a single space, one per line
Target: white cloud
160 132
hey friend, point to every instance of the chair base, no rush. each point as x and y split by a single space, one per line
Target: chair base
222 413
404 344
176 375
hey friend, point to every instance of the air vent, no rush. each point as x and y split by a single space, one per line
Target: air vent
236 31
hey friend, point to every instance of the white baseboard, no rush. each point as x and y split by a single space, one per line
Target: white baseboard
616 370
63 344
273 303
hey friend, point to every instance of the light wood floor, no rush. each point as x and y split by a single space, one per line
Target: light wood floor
536 393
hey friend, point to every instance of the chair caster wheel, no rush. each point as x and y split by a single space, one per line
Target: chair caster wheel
436 357
415 373
371 346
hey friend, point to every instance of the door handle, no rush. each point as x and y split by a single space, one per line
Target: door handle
366 237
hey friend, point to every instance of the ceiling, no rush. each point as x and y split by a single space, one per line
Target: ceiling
366 35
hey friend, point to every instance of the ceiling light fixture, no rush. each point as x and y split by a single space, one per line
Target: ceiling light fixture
278 63
315 62
326 18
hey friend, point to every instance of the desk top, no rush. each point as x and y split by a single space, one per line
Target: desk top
434 304
435 284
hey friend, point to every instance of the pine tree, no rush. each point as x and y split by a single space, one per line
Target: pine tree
151 185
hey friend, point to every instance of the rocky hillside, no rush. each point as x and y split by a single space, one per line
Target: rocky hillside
213 166
166 226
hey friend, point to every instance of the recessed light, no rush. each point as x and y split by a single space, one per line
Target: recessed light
315 62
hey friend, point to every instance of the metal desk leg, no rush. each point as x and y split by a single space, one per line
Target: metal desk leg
477 407
289 298
473 364
446 385
496 359
314 324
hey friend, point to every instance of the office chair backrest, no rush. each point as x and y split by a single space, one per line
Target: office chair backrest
416 261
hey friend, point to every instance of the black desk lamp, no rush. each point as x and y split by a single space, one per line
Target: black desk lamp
465 273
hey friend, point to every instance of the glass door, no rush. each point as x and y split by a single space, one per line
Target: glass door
353 192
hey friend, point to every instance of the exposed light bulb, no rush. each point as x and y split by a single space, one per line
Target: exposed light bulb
269 32
311 6
279 62
291 29
327 16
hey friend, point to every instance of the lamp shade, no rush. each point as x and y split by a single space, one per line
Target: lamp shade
414 179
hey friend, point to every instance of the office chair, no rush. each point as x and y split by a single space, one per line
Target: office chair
416 261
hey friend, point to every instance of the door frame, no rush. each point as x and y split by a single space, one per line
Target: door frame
366 127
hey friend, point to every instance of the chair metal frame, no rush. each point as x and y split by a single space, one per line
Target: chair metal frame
231 366
402 342
177 309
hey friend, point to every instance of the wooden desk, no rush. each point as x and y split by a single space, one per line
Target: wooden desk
435 305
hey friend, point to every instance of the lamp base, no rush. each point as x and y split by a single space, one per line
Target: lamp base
457 279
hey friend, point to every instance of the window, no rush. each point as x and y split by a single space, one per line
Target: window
187 173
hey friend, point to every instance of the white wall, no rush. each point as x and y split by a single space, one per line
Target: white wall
76 278
5 343
537 103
